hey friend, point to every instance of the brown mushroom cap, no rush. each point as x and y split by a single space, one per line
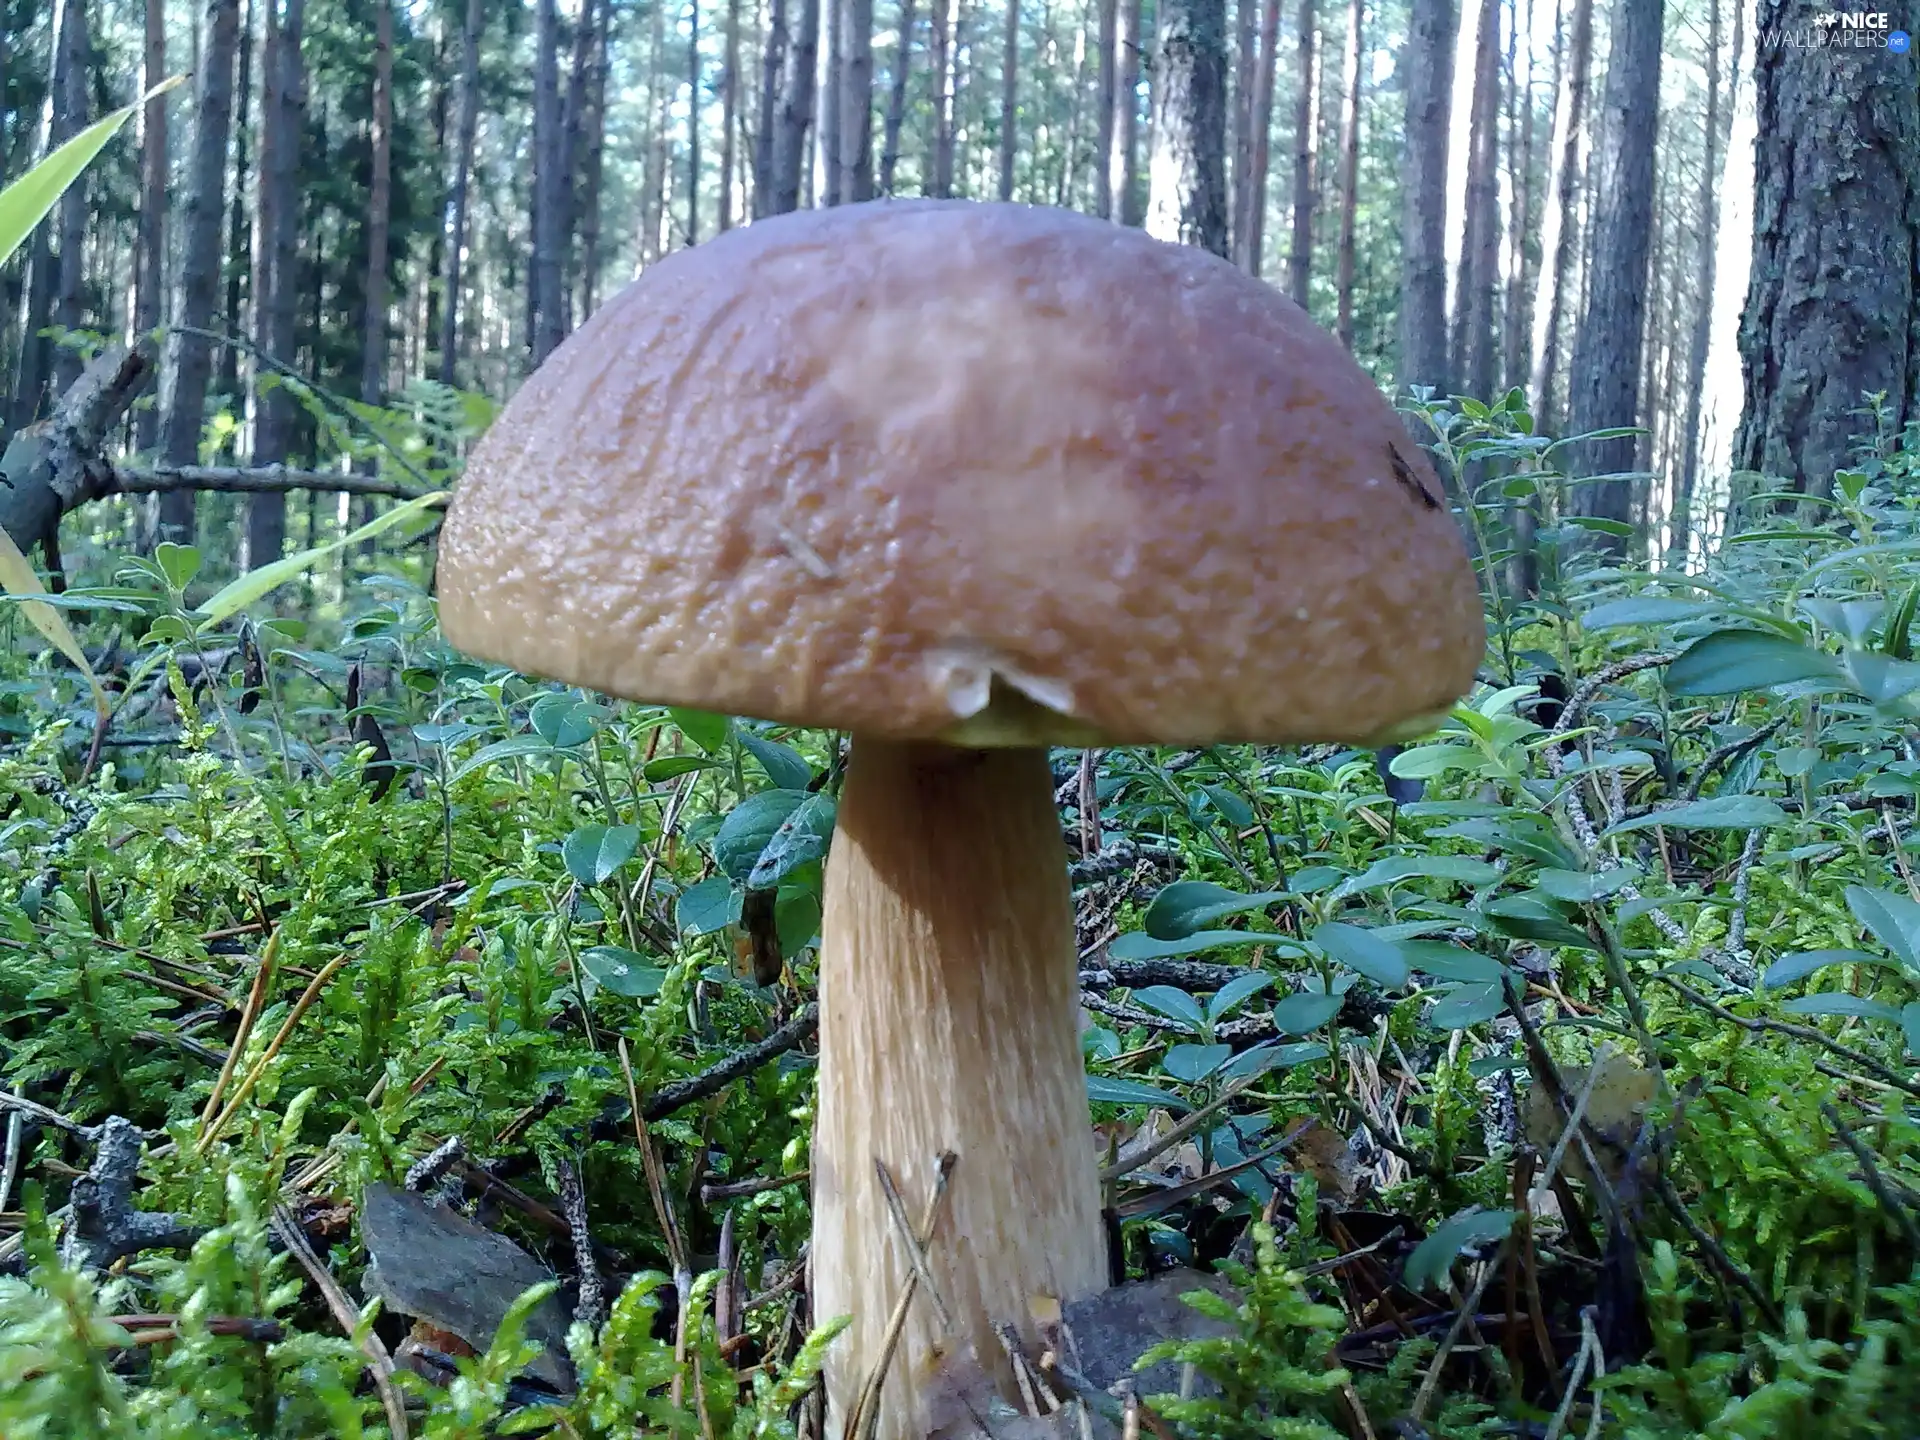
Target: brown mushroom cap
985 473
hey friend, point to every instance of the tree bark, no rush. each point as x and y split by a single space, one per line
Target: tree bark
239 230
151 276
373 358
549 188
591 162
1009 98
946 27
276 240
833 106
1478 284
796 112
856 102
1559 230
1349 174
1833 308
573 152
1680 522
729 104
1605 371
1306 128
1123 164
1106 72
897 98
70 112
1517 324
1250 216
773 60
1188 194
1240 155
466 132
189 357
1432 33
693 122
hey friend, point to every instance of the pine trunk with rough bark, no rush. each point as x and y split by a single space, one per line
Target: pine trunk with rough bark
946 20
1477 287
239 230
897 98
773 60
1306 127
1250 217
856 102
1345 260
796 112
151 275
1187 200
373 358
1559 227
188 362
591 165
70 118
547 293
1105 76
1604 374
693 122
1124 160
276 229
1240 154
466 131
1713 146
729 105
1833 304
1432 34
1009 98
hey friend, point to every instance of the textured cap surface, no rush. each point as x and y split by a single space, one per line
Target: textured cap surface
987 473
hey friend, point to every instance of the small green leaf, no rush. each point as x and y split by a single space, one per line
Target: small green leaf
624 972
1272 1055
1434 1256
668 767
507 749
1428 762
1529 917
1722 812
707 730
712 904
1458 869
1910 1026
783 764
1182 908
1297 1014
1839 1002
1789 969
1582 887
593 852
1177 1005
1235 993
1191 1064
1117 1090
1467 1005
256 584
1645 610
802 836
1363 952
564 719
1137 945
1730 661
179 563
750 827
1451 962
1893 920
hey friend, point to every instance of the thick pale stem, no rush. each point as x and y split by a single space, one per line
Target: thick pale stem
949 1021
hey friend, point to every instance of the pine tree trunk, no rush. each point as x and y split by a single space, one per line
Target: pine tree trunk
1518 326
833 105
1680 527
276 240
239 233
373 359
1349 174
856 102
1306 128
189 359
1559 228
1123 165
946 24
467 130
897 98
1009 98
693 122
796 112
729 103
1240 156
1478 284
1188 197
151 276
1106 74
573 151
1067 179
773 60
549 188
1833 305
591 164
1605 372
1431 36
70 118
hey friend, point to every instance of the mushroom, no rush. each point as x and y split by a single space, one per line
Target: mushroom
967 481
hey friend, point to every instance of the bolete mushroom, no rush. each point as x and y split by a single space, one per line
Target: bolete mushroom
966 481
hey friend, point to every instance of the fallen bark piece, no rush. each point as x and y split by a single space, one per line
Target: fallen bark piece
436 1265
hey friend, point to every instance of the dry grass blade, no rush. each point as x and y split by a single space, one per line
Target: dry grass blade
866 1410
249 1014
379 1362
209 1134
897 1208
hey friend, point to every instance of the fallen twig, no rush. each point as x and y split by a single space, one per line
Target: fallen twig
671 1097
379 1362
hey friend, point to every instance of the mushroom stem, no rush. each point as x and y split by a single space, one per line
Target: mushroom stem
949 1021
